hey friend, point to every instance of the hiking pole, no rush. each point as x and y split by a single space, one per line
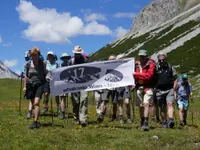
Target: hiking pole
20 93
52 112
67 98
133 104
192 114
175 117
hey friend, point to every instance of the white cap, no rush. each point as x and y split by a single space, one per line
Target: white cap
50 53
120 56
162 54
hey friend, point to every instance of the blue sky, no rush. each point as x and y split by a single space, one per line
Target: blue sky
60 25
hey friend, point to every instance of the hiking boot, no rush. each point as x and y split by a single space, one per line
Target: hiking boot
83 124
181 123
45 110
121 121
185 122
170 124
113 118
63 116
29 115
164 124
77 121
33 125
129 121
38 125
141 124
100 119
145 126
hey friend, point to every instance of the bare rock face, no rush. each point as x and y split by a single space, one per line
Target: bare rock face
5 72
160 11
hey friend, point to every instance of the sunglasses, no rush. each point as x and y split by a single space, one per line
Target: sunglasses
161 60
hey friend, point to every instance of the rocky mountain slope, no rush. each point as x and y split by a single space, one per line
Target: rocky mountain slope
5 72
160 11
175 29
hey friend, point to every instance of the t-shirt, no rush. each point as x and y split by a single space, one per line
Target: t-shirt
35 73
183 90
50 67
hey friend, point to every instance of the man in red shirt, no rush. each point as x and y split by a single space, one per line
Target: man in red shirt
144 73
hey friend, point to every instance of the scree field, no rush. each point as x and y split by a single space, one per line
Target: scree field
15 134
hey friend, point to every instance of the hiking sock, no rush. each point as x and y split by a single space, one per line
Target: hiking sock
146 119
121 117
171 119
141 121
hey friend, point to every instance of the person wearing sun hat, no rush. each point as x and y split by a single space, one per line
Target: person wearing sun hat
51 64
80 99
63 98
65 59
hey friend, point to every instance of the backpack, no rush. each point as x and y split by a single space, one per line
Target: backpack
155 77
42 66
188 91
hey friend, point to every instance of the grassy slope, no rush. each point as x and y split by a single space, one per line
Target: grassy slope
66 135
189 51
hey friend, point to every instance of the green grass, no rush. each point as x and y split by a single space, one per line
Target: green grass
15 133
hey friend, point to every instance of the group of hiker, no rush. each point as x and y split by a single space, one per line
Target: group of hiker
157 89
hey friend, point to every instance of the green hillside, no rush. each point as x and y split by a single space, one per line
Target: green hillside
15 133
187 56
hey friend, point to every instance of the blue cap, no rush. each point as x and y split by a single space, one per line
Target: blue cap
184 76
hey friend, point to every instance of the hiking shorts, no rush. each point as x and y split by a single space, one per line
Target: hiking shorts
33 92
117 97
164 97
47 87
143 97
183 104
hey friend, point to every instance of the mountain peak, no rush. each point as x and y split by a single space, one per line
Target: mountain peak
5 72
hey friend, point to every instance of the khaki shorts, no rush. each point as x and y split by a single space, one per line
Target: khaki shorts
142 97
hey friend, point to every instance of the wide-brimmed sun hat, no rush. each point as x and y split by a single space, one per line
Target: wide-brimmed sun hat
77 50
65 55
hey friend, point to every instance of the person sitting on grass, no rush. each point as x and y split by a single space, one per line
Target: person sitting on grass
183 93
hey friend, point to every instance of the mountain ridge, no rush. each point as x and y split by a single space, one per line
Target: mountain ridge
5 72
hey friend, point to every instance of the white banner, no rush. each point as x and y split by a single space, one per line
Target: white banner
93 76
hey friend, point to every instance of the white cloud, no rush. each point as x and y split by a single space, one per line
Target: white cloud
1 39
7 44
120 32
94 28
130 15
11 63
49 26
95 17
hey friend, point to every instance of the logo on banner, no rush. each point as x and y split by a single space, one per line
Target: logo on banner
113 76
82 74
